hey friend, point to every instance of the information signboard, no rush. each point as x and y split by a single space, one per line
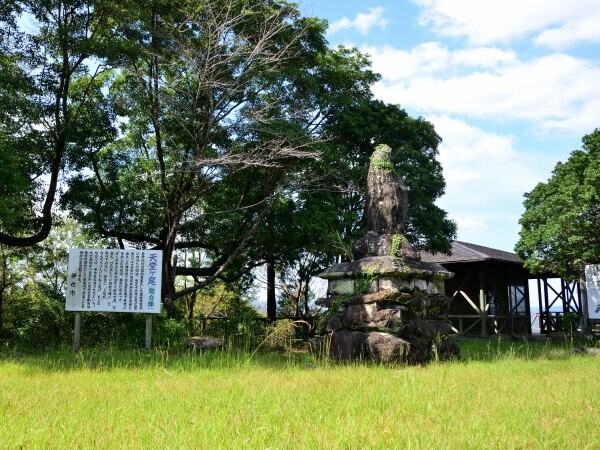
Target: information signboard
114 280
592 287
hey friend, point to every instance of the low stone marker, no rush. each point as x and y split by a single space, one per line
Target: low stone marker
202 343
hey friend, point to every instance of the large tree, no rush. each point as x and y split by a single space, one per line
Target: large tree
560 228
45 46
227 111
214 129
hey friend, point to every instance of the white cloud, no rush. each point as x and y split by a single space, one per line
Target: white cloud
584 30
469 225
481 166
501 21
433 58
486 176
484 57
483 228
555 92
363 22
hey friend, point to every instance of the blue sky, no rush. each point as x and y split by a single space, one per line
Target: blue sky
511 87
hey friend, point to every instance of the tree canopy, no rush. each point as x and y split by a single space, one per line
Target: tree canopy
354 132
224 132
560 228
42 119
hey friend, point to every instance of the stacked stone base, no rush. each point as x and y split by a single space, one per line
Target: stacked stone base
387 310
387 348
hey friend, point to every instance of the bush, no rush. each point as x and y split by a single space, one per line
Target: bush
33 318
169 332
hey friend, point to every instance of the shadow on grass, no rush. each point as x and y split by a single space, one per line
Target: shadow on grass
114 358
182 359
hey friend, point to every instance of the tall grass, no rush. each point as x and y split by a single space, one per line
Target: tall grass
500 395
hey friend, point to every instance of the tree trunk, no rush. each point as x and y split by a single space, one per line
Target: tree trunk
168 281
306 295
271 302
3 284
190 307
1 311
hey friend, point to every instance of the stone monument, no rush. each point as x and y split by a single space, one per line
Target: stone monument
386 305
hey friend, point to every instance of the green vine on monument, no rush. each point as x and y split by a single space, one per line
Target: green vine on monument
369 275
397 243
384 148
383 163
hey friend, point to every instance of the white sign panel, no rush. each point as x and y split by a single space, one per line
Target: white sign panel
114 280
592 287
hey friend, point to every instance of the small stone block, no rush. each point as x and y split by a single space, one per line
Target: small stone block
341 287
435 287
388 284
404 285
386 348
348 345
421 285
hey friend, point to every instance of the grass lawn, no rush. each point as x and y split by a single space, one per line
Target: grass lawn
500 395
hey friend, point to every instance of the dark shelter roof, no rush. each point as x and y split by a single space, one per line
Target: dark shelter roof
466 252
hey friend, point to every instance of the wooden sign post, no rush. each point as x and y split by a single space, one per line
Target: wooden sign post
77 332
114 281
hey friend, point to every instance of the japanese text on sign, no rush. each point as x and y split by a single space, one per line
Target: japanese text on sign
114 280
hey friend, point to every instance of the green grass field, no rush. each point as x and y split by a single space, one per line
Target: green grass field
500 395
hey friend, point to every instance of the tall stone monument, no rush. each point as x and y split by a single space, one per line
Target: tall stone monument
386 305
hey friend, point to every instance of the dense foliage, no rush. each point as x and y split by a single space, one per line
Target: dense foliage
560 228
225 133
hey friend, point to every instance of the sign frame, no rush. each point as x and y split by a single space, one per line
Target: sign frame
114 280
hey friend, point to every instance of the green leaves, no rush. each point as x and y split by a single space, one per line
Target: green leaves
354 130
560 228
52 109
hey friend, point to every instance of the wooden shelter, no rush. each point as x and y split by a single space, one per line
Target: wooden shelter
560 304
489 290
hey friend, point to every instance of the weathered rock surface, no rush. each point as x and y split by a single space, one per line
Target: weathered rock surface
387 305
448 349
348 345
374 244
387 266
334 323
421 350
381 296
357 317
202 343
387 348
428 329
386 206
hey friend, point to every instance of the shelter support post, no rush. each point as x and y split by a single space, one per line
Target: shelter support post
547 309
482 305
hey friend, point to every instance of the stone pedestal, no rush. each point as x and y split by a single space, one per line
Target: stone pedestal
387 305
387 309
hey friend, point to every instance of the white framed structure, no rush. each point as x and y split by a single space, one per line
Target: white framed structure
114 280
